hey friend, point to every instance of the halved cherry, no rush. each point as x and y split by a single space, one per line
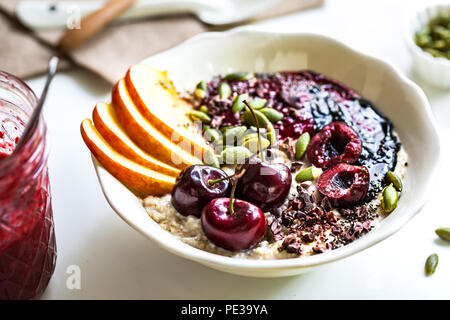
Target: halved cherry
344 184
335 143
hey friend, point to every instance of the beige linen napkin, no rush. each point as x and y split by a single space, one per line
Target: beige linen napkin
114 49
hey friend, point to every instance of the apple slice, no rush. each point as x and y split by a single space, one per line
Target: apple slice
157 100
106 122
133 175
145 135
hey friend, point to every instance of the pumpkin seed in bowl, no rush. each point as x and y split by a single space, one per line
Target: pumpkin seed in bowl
434 37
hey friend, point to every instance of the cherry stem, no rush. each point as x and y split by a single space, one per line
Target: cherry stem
257 129
238 173
236 177
214 181
233 189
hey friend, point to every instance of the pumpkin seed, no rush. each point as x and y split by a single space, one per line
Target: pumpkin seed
235 155
440 32
431 264
434 37
443 233
435 53
219 148
393 178
271 134
232 134
257 103
238 76
302 145
390 198
203 109
272 114
423 40
248 136
253 129
225 128
308 174
252 143
439 44
238 104
202 86
224 90
199 93
210 158
248 118
212 135
196 115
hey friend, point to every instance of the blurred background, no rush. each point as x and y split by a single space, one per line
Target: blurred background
32 29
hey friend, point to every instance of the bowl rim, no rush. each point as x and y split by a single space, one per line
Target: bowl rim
408 36
218 260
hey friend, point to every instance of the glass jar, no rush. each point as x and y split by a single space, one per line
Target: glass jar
27 238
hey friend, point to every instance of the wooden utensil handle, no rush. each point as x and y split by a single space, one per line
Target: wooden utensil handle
93 23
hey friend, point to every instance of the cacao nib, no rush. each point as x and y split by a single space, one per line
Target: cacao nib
326 204
318 249
308 237
296 165
292 244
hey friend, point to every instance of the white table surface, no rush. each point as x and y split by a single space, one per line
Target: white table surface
118 263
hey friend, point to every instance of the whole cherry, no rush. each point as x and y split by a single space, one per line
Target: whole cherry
233 224
196 186
265 184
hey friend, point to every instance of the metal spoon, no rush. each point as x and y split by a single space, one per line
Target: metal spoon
33 121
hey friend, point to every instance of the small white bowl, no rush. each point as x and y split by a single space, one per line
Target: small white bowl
209 54
435 71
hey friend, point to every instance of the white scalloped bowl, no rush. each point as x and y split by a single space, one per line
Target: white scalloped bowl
401 100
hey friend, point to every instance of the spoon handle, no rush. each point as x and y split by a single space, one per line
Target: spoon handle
48 14
93 23
33 121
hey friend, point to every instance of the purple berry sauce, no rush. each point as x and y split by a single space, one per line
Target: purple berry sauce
309 101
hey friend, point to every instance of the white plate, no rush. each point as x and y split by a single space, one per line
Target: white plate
242 49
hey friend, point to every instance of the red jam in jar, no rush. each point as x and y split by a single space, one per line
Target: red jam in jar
27 237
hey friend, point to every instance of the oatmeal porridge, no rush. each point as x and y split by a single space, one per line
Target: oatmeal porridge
343 157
